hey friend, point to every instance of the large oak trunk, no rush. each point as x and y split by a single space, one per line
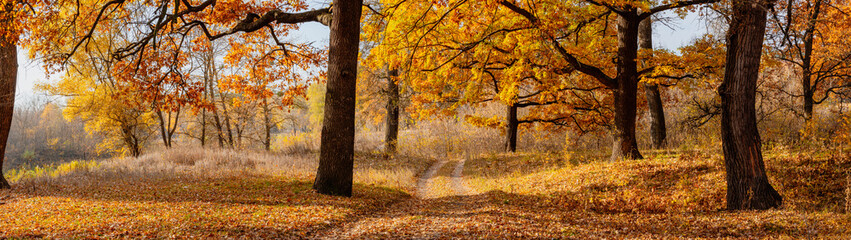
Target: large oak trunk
392 119
511 129
651 91
747 183
8 78
336 152
625 145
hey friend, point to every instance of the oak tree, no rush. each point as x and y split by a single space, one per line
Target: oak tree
747 182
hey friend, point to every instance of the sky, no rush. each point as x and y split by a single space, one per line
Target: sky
675 34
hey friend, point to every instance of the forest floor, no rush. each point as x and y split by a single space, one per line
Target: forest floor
524 195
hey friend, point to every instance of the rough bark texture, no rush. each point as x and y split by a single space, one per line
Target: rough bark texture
336 151
651 91
747 183
625 145
511 129
8 79
392 119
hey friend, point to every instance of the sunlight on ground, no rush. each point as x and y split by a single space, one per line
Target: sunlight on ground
670 194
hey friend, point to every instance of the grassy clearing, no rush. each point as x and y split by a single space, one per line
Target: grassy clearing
665 195
223 194
193 193
668 195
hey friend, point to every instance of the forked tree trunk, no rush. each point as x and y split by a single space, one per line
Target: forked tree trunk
391 135
747 183
8 79
130 140
625 145
511 129
336 151
651 91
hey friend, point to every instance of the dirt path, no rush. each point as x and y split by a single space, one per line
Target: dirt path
425 181
451 180
458 185
396 220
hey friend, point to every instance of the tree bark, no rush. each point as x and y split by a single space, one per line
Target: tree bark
806 62
8 80
227 123
511 129
203 127
747 183
651 91
173 125
218 122
625 145
392 119
336 151
130 139
162 127
267 125
211 89
167 126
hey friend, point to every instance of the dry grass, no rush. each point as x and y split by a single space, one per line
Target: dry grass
193 193
372 169
665 183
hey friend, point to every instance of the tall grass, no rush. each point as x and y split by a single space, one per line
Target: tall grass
200 163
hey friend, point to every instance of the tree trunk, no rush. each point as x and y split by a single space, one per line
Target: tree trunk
806 62
165 127
392 119
625 94
239 130
808 96
267 125
130 140
8 80
651 91
511 129
218 121
336 151
747 183
227 123
173 126
211 90
203 127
